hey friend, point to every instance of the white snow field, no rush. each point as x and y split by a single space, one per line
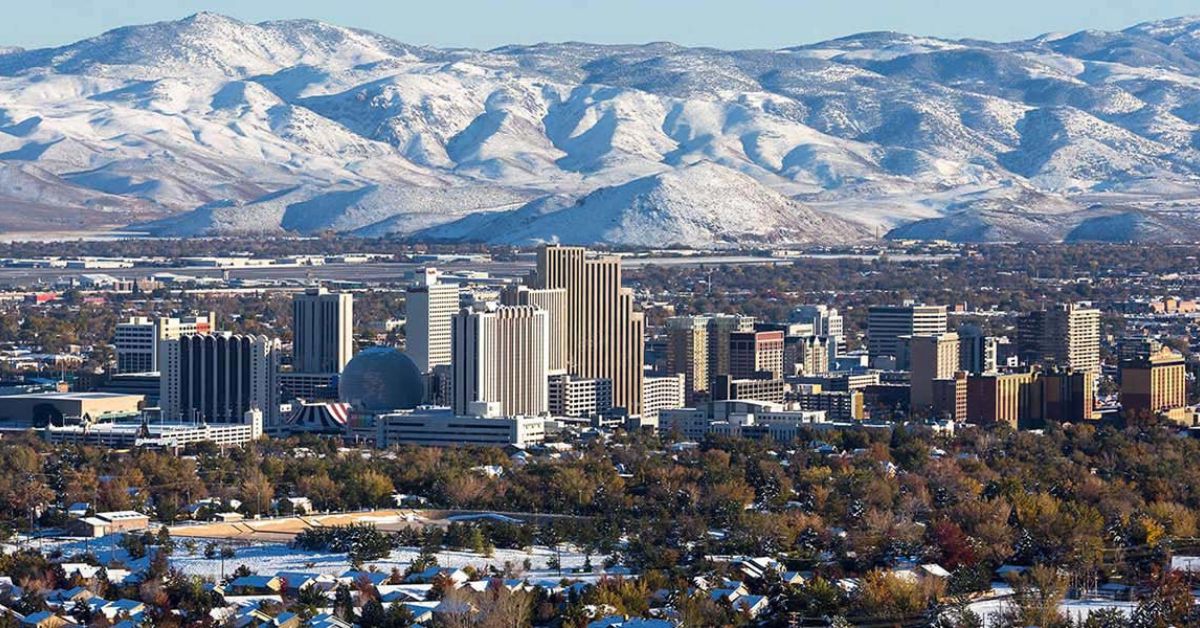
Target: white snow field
211 125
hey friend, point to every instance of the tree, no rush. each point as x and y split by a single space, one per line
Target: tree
884 595
308 601
373 614
164 542
1037 594
133 545
1106 618
373 487
343 603
257 492
242 571
1169 603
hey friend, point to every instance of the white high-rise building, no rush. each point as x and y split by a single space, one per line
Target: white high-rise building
501 356
218 378
430 305
661 393
826 321
322 331
138 341
554 302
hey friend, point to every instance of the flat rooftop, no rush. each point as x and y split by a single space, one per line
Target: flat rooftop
71 396
153 428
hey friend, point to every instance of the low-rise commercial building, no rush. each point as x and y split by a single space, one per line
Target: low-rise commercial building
64 408
661 393
725 388
837 405
439 427
740 418
155 435
577 397
104 523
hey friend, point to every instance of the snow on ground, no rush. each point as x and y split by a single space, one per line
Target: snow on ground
1078 610
270 558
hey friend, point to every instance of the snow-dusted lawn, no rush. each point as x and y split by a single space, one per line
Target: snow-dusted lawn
265 557
1077 610
270 558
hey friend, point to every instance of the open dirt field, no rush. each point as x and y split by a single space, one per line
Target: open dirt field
283 529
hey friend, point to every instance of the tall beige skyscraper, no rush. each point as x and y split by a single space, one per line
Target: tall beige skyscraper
501 356
554 303
322 331
1066 335
429 305
687 353
604 333
931 358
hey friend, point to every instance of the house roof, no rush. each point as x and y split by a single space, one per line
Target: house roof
253 581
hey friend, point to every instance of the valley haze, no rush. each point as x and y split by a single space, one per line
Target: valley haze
212 126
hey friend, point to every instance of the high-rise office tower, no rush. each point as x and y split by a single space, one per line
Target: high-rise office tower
139 341
825 321
887 324
1135 347
605 336
1067 336
322 331
554 302
755 353
930 358
429 305
806 355
977 353
217 378
720 327
1067 395
687 353
1155 383
950 397
501 356
1002 397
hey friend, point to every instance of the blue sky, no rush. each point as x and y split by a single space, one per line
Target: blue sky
488 23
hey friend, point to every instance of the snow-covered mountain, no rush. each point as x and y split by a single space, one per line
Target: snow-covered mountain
211 125
700 205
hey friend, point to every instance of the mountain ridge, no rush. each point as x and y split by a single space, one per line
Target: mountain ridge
212 125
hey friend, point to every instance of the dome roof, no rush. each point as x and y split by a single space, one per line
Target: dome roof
380 379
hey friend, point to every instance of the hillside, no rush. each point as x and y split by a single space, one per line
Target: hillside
211 125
